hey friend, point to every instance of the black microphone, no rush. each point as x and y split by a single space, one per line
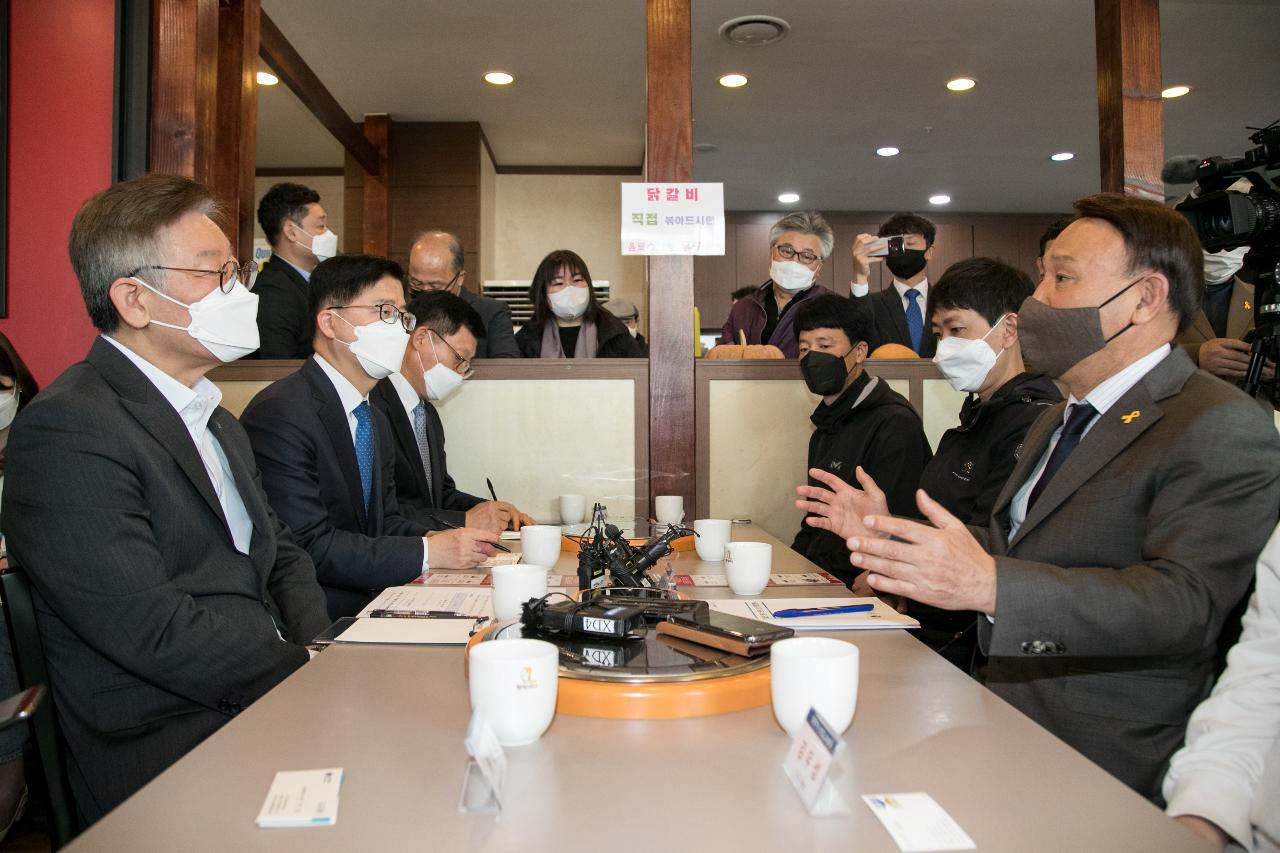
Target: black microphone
1180 169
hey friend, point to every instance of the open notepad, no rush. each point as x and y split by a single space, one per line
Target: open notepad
882 616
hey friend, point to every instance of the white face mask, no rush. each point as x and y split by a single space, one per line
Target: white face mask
323 246
440 381
569 303
8 407
965 362
378 346
791 276
226 323
1220 266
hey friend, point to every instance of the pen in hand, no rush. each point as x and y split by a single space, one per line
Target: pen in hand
444 523
492 493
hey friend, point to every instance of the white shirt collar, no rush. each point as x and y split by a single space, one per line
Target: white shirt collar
923 287
1110 390
195 404
347 393
408 397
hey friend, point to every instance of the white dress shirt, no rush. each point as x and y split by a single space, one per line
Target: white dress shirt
859 290
408 397
195 406
1103 397
351 398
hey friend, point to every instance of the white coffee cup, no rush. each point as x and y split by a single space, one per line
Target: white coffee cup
713 535
572 509
668 509
813 672
515 584
747 565
513 684
540 544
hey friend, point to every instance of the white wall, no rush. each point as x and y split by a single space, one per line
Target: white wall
536 214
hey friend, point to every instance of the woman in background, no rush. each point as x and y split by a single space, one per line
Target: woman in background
568 321
17 387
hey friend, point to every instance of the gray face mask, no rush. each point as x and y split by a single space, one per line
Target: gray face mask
1054 340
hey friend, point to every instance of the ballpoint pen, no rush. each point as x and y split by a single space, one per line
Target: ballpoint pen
492 493
444 523
822 611
419 614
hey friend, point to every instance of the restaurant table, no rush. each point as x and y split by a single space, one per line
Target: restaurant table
394 717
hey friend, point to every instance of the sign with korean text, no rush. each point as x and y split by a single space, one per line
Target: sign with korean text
672 219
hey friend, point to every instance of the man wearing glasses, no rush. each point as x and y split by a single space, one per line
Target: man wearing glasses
436 263
168 594
436 361
328 457
798 243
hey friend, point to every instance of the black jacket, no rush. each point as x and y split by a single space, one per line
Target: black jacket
442 500
302 441
156 630
885 436
285 324
889 322
612 339
498 341
975 458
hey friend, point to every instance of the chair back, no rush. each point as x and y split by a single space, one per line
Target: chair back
28 655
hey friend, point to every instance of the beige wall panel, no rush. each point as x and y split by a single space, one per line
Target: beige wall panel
236 394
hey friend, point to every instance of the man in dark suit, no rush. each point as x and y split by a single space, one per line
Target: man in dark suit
897 312
437 263
296 226
435 364
327 456
1129 528
168 594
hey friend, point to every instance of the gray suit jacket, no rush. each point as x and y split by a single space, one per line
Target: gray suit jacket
499 340
1113 593
156 630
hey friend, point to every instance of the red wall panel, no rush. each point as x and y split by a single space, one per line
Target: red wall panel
61 62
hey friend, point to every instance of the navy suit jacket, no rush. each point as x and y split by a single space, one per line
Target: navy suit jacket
499 339
889 322
303 445
285 323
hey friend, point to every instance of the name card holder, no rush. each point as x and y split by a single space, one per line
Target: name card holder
809 764
486 771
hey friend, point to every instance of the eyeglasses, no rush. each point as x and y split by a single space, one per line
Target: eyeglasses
228 274
387 313
419 286
788 253
463 364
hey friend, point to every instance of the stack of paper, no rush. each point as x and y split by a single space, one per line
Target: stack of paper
302 798
881 616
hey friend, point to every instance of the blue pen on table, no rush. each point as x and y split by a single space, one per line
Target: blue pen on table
822 611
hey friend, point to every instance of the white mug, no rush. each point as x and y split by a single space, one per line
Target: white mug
572 509
813 672
668 509
540 544
513 685
513 585
713 535
747 565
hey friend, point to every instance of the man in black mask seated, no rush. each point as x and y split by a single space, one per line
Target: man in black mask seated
861 421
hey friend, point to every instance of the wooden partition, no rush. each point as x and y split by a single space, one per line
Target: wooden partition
752 433
537 429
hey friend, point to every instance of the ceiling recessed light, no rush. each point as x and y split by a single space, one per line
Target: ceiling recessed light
961 84
1175 91
499 78
1062 156
266 78
733 81
940 199
789 198
887 151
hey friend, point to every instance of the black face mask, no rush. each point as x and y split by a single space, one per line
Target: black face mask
824 373
907 264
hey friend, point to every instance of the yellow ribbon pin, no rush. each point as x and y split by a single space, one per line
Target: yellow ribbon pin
1247 306
1131 417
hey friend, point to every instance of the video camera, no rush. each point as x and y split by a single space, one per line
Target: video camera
1225 218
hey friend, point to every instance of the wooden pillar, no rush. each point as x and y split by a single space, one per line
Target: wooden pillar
184 79
1130 111
235 153
669 157
377 187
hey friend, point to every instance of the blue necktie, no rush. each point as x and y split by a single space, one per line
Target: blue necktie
364 448
1077 419
915 320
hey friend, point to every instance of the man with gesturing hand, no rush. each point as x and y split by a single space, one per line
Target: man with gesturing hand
1128 530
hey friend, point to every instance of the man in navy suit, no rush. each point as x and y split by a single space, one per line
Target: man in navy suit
327 456
897 313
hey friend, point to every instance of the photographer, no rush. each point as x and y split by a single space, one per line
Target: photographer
1216 340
